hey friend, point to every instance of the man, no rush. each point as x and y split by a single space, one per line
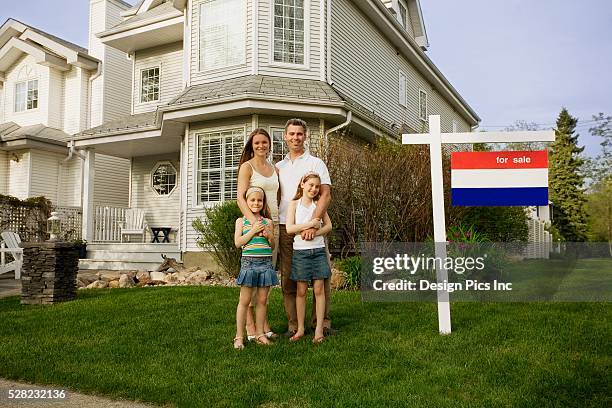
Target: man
291 169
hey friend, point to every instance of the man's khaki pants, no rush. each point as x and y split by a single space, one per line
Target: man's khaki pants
285 255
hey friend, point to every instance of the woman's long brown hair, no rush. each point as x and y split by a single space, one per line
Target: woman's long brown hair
248 152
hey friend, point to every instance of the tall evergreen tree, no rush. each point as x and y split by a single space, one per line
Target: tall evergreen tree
566 181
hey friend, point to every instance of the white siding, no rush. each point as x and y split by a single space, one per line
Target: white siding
4 172
56 99
16 74
70 183
161 211
312 34
45 174
111 91
198 77
75 100
169 58
365 67
19 174
112 180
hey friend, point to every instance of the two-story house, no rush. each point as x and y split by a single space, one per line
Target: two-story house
45 97
206 72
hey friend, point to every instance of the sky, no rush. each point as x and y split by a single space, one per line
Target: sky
510 59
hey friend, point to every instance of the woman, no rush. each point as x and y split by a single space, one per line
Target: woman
256 170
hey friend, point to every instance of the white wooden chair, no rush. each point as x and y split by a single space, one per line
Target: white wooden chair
134 224
10 244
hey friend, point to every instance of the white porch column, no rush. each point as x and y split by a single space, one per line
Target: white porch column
89 171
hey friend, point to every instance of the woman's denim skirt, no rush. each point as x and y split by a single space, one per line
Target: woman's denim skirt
256 271
309 264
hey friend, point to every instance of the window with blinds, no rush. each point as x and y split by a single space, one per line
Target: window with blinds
289 31
222 33
279 147
218 158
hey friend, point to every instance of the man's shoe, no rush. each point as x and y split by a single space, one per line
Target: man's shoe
289 333
328 331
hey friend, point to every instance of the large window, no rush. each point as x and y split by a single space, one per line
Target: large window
149 85
26 95
222 33
279 147
218 158
289 31
422 105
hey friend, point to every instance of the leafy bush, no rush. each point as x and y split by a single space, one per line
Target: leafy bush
351 267
498 224
217 234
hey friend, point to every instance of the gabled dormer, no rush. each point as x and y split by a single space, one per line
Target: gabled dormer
408 14
43 79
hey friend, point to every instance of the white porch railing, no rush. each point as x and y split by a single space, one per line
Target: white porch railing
540 243
107 223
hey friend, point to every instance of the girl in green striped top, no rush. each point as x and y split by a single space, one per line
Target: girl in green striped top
256 271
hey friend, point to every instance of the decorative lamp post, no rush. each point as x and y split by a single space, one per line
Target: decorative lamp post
54 226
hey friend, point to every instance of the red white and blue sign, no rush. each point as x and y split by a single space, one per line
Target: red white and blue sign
513 178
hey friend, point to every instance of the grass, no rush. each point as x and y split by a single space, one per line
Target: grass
173 346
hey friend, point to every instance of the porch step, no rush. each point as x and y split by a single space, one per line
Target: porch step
103 255
128 256
133 247
117 265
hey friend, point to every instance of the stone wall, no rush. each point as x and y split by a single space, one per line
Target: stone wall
49 272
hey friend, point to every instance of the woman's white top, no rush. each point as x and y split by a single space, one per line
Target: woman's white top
303 214
270 187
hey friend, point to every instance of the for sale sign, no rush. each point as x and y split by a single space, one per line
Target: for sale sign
499 178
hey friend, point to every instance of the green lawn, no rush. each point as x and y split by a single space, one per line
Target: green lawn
173 346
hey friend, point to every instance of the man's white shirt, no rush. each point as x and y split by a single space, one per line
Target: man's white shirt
290 173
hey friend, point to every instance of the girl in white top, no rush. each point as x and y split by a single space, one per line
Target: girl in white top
255 170
309 257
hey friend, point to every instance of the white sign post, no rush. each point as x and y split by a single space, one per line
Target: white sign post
435 139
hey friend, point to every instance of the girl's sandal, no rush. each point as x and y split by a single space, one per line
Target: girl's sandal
251 337
271 335
238 343
266 342
296 337
318 340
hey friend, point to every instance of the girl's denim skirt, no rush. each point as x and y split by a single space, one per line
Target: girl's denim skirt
309 264
256 271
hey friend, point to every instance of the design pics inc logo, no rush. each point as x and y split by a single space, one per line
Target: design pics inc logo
412 264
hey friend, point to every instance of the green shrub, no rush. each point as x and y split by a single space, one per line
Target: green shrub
351 267
498 224
217 235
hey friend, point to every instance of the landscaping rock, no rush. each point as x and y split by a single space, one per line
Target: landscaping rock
98 284
171 278
198 277
140 275
113 284
158 276
126 281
